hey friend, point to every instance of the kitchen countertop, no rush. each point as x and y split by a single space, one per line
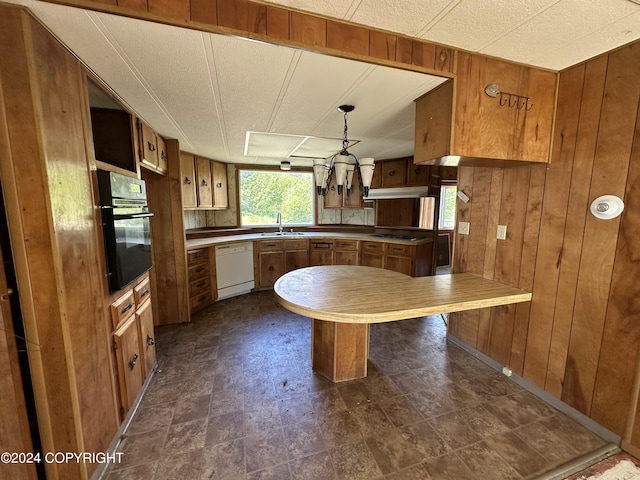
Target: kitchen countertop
357 294
220 240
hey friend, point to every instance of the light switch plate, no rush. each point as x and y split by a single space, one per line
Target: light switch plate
463 228
502 232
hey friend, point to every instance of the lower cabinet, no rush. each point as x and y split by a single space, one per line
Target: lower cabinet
321 252
273 258
345 252
202 277
398 257
133 341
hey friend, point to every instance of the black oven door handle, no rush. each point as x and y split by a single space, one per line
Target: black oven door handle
128 216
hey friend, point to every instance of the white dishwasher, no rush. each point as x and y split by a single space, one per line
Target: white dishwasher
234 269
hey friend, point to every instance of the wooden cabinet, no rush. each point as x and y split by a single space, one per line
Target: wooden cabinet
399 257
393 173
353 200
417 175
204 183
153 151
465 122
201 277
321 252
220 190
273 258
372 254
296 254
134 341
345 252
204 191
113 134
188 181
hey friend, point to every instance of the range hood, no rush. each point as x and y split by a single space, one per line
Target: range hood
400 192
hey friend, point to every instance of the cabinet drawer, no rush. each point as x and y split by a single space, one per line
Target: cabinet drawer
198 271
346 244
198 256
122 309
398 249
269 245
199 286
195 303
298 244
142 292
372 247
321 245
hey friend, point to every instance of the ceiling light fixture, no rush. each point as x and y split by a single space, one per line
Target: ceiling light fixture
343 164
607 207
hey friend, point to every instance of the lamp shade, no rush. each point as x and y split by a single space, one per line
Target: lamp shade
319 174
366 173
340 164
350 169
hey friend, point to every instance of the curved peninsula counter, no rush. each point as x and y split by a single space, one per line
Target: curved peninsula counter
344 300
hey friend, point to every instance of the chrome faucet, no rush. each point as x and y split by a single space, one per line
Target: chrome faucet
279 221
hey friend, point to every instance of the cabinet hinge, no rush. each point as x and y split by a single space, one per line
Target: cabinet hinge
115 346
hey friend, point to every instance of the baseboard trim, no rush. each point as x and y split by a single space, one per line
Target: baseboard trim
545 396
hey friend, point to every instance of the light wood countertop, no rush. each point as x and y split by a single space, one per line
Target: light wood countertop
356 294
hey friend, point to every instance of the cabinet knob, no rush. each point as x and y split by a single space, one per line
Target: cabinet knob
392 173
204 183
219 184
187 181
151 147
150 340
271 268
132 362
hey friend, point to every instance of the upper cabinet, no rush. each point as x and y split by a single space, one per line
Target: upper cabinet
459 123
204 183
153 153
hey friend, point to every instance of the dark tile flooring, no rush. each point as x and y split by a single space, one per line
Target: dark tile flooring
235 398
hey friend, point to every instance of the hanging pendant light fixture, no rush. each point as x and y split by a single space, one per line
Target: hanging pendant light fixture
344 164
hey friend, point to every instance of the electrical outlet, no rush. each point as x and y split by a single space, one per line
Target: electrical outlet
502 232
463 228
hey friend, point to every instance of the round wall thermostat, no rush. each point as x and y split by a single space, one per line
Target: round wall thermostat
607 207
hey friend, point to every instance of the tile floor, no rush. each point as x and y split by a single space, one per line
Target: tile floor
235 398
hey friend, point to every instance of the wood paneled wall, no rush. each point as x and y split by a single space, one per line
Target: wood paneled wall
579 337
285 26
54 234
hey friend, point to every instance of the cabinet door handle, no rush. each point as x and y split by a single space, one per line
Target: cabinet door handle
204 183
187 181
164 156
151 147
392 173
132 362
219 184
126 309
144 293
201 284
150 341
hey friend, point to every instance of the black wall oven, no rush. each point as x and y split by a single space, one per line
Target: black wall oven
125 221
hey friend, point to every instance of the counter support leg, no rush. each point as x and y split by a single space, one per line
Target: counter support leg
340 351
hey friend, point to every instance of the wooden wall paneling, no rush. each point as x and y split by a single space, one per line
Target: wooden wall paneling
53 230
14 423
552 224
508 259
242 15
278 22
347 38
610 168
444 59
585 146
616 392
490 245
527 265
179 9
382 45
460 248
308 30
404 48
171 303
423 54
135 5
204 11
60 80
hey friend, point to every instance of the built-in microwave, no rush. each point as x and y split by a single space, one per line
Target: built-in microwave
126 227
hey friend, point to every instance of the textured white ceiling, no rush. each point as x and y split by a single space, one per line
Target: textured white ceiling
553 34
209 90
